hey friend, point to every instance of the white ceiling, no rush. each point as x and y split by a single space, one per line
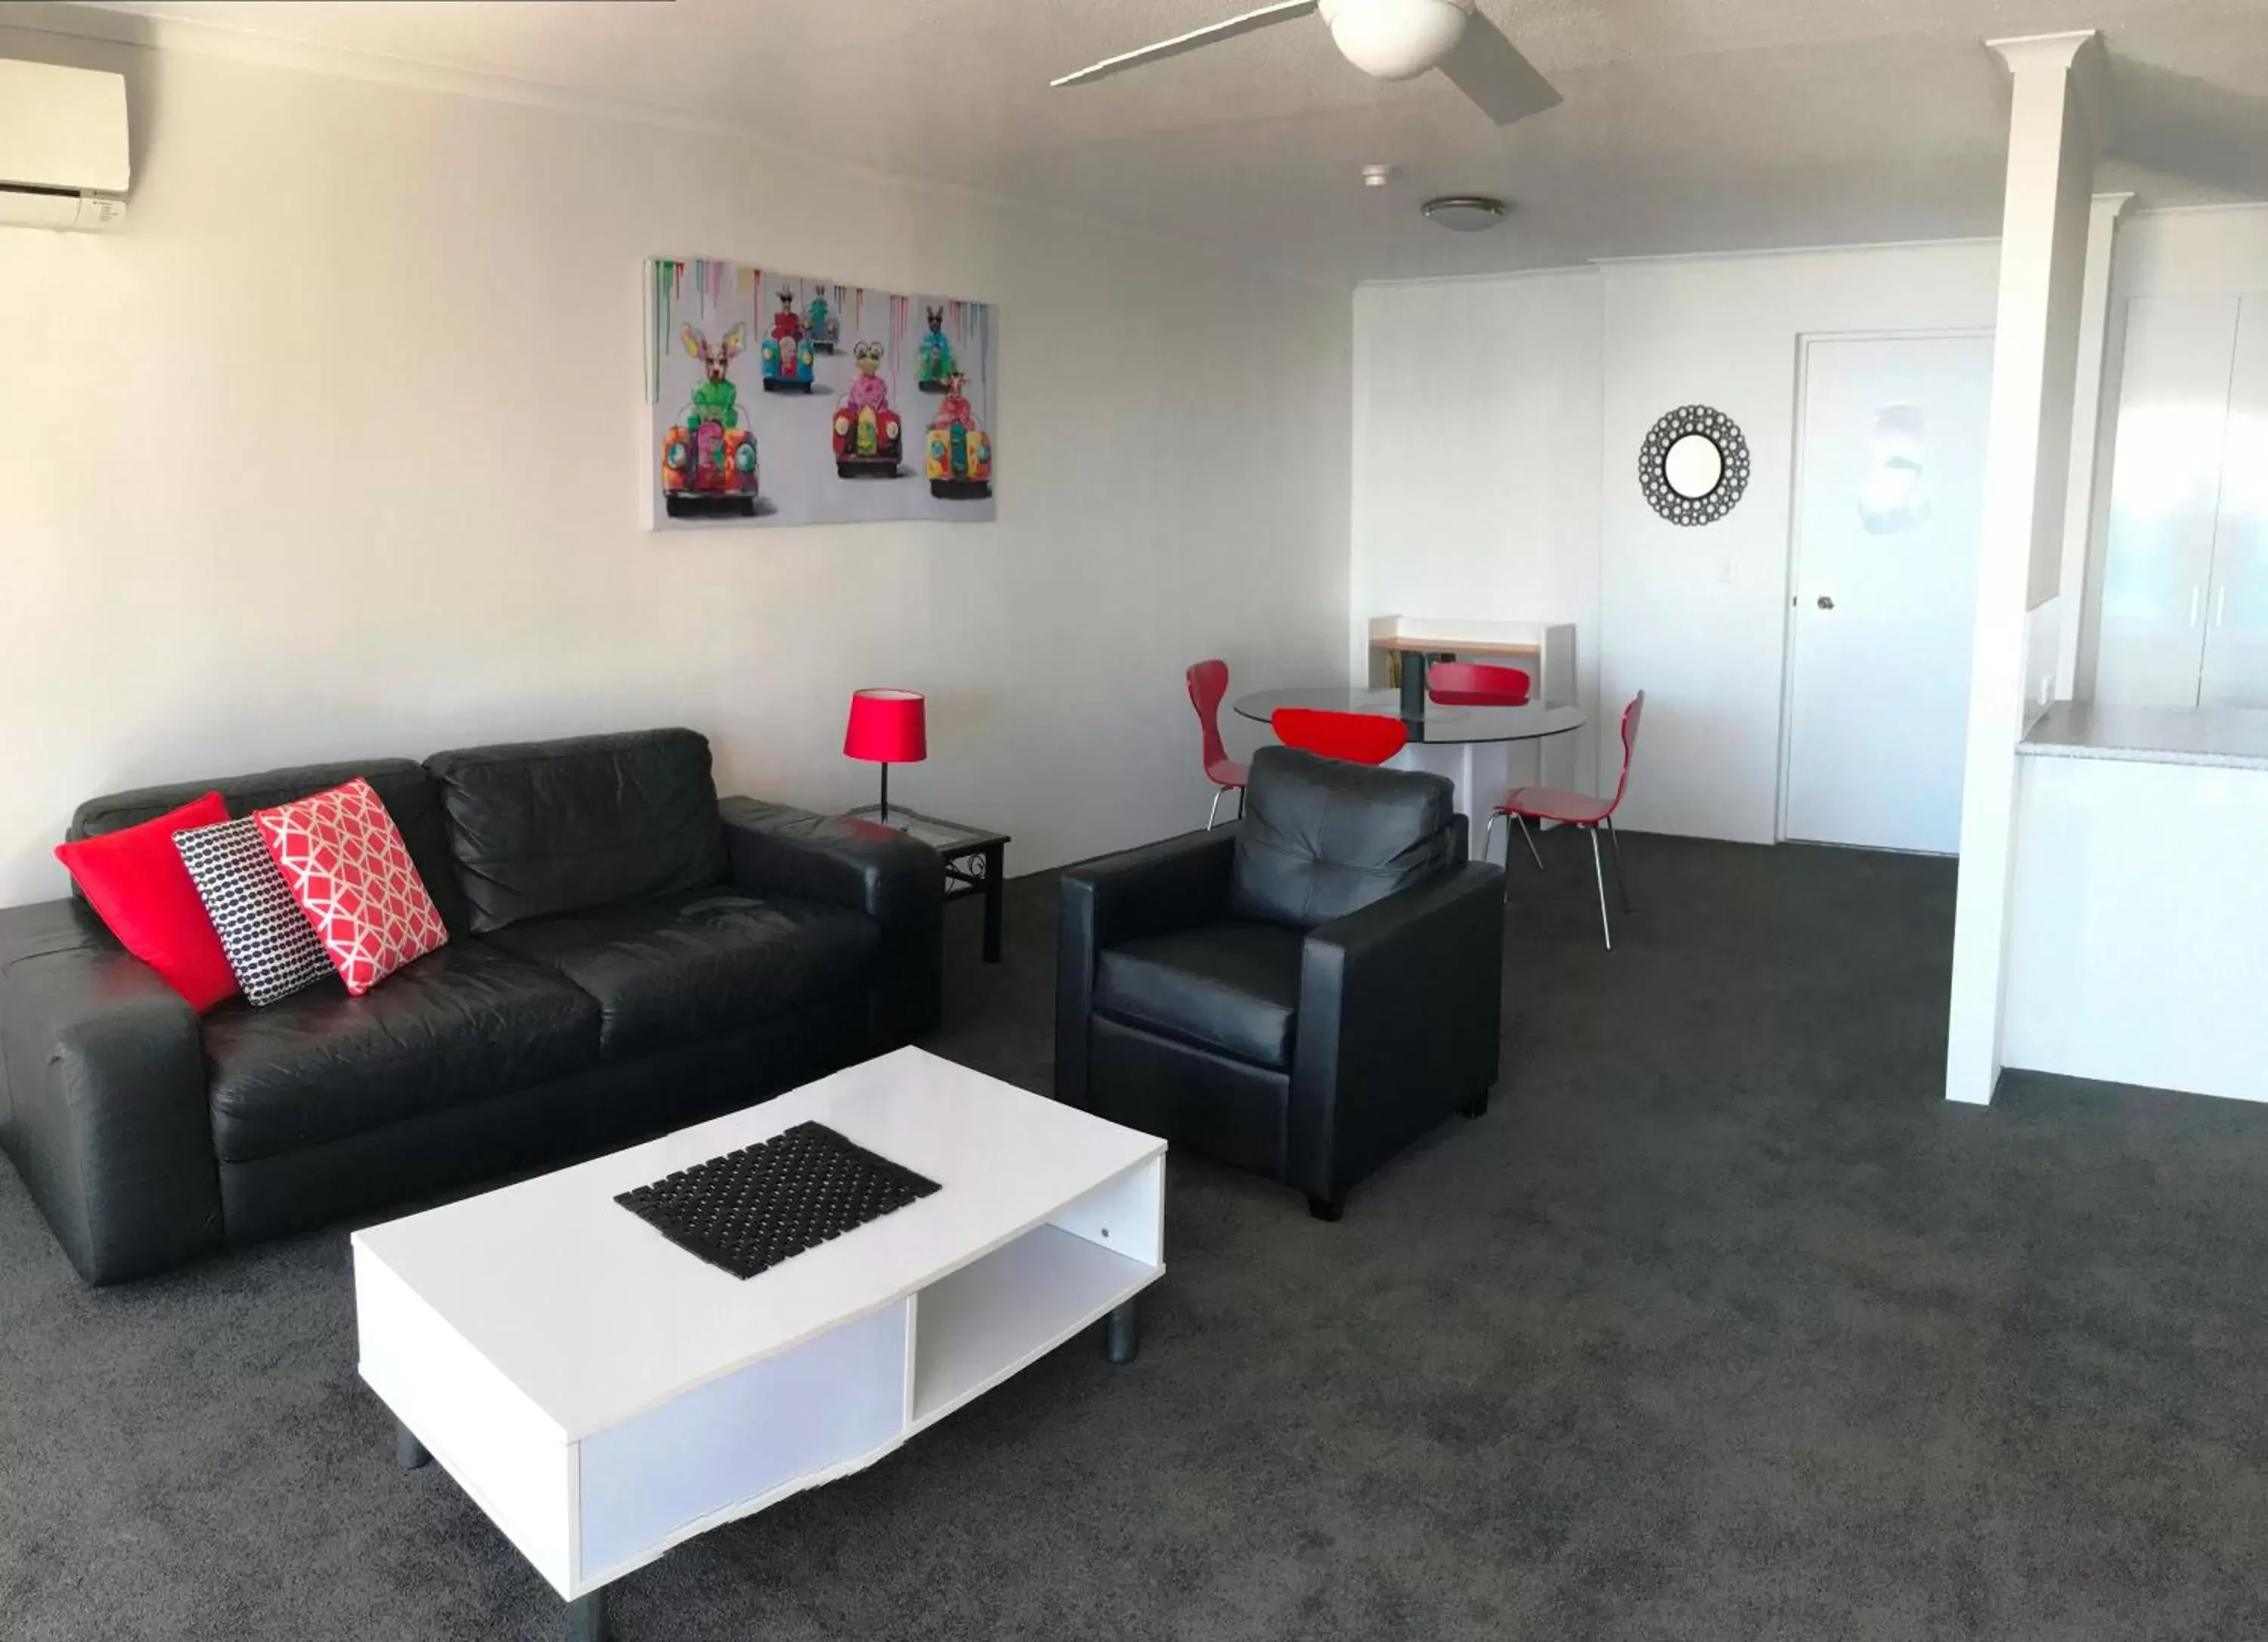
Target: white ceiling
1688 125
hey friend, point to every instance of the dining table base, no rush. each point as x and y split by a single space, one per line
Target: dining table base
1481 771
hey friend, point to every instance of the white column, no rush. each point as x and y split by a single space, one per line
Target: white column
2055 132
2086 431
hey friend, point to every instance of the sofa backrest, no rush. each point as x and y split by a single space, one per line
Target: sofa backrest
407 792
545 827
1322 837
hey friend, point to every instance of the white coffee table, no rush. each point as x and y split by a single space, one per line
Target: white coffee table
603 1395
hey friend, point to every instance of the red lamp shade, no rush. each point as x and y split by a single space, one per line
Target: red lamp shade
887 727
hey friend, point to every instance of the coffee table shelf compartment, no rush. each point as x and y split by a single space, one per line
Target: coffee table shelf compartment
771 1429
982 1324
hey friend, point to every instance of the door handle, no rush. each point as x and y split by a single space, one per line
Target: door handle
1826 603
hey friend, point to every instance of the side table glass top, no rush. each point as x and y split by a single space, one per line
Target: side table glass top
946 836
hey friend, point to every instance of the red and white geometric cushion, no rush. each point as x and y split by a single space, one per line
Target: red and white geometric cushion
344 859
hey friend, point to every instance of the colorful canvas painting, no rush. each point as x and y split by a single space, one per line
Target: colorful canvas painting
779 399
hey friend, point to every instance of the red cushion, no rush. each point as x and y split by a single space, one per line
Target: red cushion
135 878
1360 737
344 859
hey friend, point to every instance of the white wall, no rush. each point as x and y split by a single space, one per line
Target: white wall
1476 458
1698 617
336 452
1497 430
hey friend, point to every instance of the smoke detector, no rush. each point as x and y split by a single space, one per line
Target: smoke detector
1377 176
1467 213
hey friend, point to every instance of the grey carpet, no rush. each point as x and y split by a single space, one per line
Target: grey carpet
1720 1325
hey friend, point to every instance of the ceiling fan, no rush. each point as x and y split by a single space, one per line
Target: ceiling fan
1388 39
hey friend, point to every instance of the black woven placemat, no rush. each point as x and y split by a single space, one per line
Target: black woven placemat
749 1210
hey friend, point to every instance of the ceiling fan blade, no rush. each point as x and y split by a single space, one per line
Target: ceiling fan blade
1191 41
1489 69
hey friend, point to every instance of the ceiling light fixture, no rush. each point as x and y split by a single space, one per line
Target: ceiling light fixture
1467 213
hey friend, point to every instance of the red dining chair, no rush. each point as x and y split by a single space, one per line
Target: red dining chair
1208 683
1577 809
1360 737
1476 684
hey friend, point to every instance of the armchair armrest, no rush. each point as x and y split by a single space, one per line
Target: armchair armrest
103 1096
897 880
1400 1010
1148 891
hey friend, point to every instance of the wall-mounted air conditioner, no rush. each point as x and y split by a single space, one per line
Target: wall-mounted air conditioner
63 146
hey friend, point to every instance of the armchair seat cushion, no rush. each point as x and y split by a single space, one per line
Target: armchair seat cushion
1232 986
458 1026
698 963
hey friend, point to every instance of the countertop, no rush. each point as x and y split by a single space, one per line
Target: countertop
2234 737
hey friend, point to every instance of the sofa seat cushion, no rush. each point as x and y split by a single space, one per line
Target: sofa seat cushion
458 1026
681 967
1232 986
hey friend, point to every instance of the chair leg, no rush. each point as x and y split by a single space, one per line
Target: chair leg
1239 804
1527 834
1599 868
1213 815
1621 879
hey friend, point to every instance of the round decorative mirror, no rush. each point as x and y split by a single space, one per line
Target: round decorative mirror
1693 466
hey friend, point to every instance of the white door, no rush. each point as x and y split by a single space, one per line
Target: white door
1889 507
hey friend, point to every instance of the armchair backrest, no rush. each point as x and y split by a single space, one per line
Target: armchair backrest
1322 837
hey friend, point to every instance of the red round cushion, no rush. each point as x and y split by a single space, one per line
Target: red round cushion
134 880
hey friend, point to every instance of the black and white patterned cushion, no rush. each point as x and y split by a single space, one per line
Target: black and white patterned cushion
267 938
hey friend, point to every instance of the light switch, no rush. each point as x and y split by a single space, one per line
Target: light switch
1724 568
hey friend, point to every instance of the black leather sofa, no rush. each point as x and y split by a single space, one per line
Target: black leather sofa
1302 993
626 954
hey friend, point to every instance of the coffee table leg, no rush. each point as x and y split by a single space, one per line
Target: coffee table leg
587 1616
996 868
409 1452
1119 1338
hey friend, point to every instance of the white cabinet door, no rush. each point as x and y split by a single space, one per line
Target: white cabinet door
2235 673
2165 495
1888 512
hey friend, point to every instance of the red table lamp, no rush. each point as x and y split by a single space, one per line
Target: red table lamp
887 727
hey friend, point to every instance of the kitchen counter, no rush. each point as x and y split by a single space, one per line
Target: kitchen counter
2229 737
2138 895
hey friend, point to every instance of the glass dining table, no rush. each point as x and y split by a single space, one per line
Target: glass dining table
1472 745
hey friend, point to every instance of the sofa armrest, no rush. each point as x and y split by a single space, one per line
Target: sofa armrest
103 1096
1159 887
1400 1010
897 880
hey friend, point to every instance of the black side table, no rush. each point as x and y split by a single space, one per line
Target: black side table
975 861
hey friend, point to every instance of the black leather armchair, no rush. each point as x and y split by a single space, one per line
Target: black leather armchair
1301 994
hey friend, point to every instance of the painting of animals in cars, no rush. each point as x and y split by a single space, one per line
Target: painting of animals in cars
778 398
